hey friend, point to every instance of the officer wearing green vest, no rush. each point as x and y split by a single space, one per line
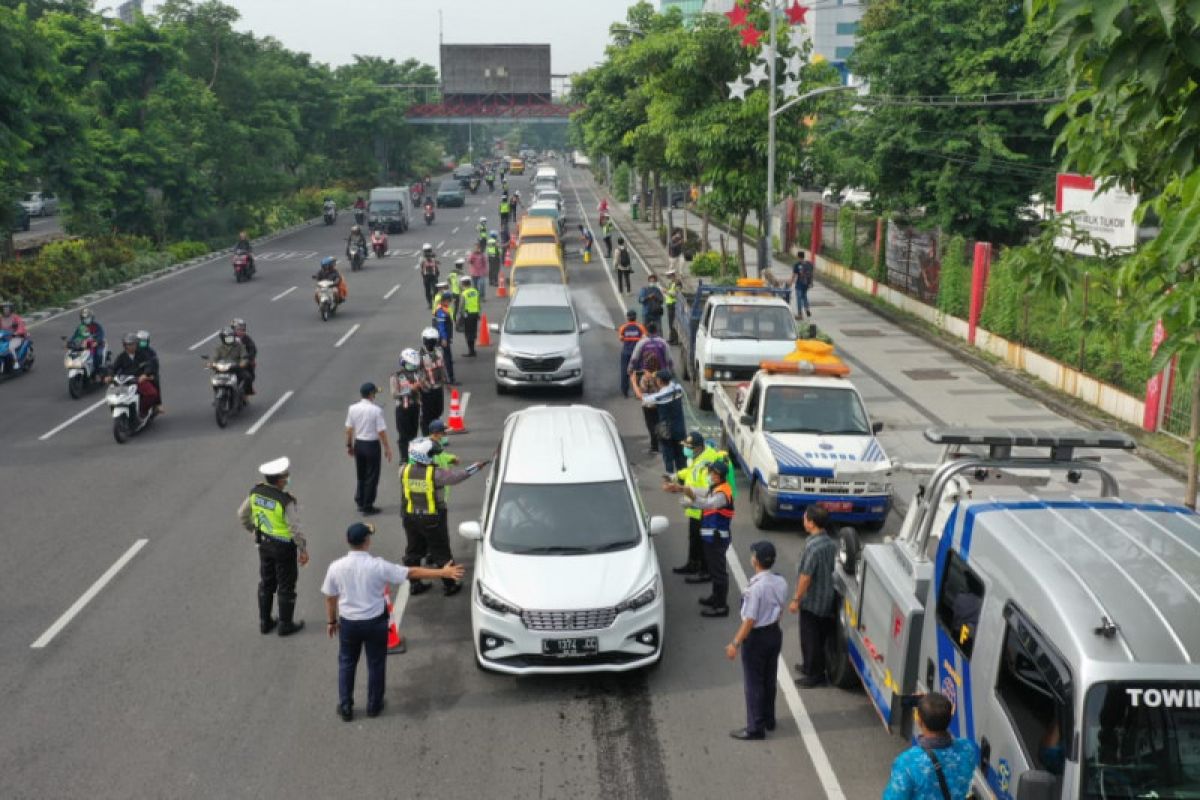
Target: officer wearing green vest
445 290
423 508
470 314
505 208
695 476
493 257
671 297
270 514
455 279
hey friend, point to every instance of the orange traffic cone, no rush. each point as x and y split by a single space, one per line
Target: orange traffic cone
455 422
508 258
502 289
395 643
485 333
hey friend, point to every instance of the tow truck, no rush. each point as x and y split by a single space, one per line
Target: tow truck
788 430
724 331
1064 629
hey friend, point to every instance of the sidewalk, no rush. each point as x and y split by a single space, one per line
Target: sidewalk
910 383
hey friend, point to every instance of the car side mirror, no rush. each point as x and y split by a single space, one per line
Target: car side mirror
584 327
659 525
747 420
1036 784
470 530
876 427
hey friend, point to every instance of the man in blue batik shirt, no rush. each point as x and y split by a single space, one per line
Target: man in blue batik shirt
938 766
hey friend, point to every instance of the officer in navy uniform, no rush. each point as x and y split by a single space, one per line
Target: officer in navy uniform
270 514
760 639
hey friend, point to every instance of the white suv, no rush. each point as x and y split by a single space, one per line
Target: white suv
566 576
539 341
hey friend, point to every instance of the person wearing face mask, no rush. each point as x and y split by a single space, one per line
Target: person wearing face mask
270 514
716 531
699 455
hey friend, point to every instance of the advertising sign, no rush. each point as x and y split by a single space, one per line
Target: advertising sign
1106 215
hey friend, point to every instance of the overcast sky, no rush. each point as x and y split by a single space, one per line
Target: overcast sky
333 31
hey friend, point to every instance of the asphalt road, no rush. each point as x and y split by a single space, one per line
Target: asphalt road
161 686
38 228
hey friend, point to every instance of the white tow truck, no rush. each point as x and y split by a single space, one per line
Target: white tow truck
791 429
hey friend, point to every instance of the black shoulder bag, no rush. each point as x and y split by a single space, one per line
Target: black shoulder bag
941 776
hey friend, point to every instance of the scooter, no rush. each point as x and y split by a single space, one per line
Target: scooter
243 267
327 299
360 216
429 214
122 398
330 213
357 257
9 361
473 185
379 243
80 363
229 395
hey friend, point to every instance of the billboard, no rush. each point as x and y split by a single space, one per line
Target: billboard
1106 215
483 69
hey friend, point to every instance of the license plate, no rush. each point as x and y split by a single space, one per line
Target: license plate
566 648
837 505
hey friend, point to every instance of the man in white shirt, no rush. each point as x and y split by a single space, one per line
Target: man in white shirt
366 430
355 590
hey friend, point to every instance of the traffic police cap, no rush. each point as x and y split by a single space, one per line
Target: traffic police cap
764 551
437 426
274 468
357 533
418 450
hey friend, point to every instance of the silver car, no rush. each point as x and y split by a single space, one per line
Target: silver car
40 204
539 341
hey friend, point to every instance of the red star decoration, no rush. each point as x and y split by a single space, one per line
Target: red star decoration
796 13
737 17
751 36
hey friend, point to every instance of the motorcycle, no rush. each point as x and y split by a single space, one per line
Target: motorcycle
357 257
360 216
243 267
9 360
327 299
379 243
122 398
80 363
473 185
229 394
429 214
330 213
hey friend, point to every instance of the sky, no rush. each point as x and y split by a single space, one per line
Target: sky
334 31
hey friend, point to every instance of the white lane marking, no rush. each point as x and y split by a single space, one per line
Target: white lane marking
263 419
454 231
439 244
202 342
462 409
87 596
347 335
808 732
284 294
391 292
72 420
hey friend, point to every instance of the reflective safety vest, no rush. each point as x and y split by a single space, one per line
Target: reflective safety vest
493 250
418 486
504 207
630 333
672 294
695 474
716 522
455 281
470 299
268 510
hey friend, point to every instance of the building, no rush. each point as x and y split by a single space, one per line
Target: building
718 6
129 11
690 8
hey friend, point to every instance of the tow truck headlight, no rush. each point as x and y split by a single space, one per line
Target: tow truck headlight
773 481
639 599
790 482
494 602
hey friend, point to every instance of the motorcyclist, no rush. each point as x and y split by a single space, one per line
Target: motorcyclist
356 237
150 357
379 240
230 348
90 333
329 272
11 321
242 245
137 362
330 207
491 181
239 330
430 268
429 207
433 378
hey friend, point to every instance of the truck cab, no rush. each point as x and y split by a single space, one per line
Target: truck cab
725 331
1065 630
790 429
388 209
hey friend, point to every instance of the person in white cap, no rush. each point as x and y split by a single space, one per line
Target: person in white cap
270 514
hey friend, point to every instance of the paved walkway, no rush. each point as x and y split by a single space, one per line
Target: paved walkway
911 384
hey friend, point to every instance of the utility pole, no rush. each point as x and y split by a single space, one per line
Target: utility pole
765 225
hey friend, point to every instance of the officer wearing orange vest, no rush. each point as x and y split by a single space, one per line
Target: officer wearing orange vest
630 334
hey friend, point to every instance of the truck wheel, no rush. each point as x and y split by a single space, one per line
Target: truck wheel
687 373
703 398
837 658
758 509
849 550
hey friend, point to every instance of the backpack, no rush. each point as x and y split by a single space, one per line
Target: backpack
658 347
623 257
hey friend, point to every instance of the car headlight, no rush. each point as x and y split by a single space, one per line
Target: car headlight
494 602
639 599
574 353
790 482
502 353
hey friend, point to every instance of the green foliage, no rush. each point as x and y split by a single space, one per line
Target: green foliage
954 283
620 187
847 239
709 264
1005 298
66 269
182 251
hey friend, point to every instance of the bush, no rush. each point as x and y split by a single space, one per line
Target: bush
708 265
66 269
954 282
620 187
182 251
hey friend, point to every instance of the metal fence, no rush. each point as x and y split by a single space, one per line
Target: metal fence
1177 407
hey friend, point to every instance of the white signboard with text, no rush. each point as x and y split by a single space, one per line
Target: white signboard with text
1106 215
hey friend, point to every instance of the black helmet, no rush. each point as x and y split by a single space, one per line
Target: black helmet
228 336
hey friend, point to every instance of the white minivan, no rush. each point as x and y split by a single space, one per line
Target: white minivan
539 341
566 576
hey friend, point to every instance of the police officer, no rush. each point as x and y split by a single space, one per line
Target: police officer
695 475
505 208
443 322
493 258
671 296
716 522
760 640
270 514
423 508
429 268
470 314
630 333
406 392
455 279
433 378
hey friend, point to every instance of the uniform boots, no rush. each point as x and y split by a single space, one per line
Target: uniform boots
266 623
287 607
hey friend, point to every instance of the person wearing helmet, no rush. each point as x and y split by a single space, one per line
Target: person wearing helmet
329 272
230 348
423 509
629 333
516 204
11 322
443 290
150 361
135 362
443 321
357 238
430 269
455 277
469 313
89 334
243 246
433 378
505 209
406 392
239 330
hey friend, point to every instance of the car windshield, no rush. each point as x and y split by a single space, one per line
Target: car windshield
814 409
1142 739
539 239
523 276
384 207
539 320
30 196
544 211
772 323
450 188
564 519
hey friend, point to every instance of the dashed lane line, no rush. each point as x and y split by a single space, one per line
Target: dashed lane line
88 596
347 335
203 341
72 420
284 294
253 429
391 292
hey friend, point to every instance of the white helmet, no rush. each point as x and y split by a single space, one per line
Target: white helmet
483 219
430 337
410 359
427 247
419 449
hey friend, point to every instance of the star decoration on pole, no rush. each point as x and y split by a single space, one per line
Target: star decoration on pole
796 13
757 73
795 64
791 87
738 89
797 37
751 37
737 17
